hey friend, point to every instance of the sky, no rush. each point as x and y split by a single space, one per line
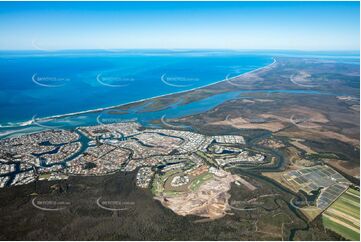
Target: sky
180 25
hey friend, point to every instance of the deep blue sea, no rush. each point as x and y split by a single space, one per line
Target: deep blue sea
41 84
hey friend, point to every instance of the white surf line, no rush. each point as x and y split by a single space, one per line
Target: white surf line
49 118
229 80
35 122
15 132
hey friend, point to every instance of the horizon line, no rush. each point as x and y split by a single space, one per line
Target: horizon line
182 49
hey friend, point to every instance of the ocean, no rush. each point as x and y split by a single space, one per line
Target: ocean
36 85
48 84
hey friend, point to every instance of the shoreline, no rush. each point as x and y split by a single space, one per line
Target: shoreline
58 116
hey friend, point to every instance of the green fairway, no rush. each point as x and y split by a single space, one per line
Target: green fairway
199 180
159 180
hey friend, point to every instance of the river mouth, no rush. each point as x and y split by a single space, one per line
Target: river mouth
117 115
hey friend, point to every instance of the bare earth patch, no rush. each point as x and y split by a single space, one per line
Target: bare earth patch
242 123
351 169
298 144
210 200
313 134
302 78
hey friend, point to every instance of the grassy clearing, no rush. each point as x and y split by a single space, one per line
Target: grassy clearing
197 182
311 212
206 157
157 186
172 193
159 180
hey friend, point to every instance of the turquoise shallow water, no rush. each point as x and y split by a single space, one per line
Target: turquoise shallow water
136 114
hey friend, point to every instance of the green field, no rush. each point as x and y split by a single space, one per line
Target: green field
343 216
199 180
206 157
159 180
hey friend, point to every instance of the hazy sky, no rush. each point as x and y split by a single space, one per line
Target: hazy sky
222 25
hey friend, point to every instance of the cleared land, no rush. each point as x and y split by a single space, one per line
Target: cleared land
343 216
207 197
330 183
